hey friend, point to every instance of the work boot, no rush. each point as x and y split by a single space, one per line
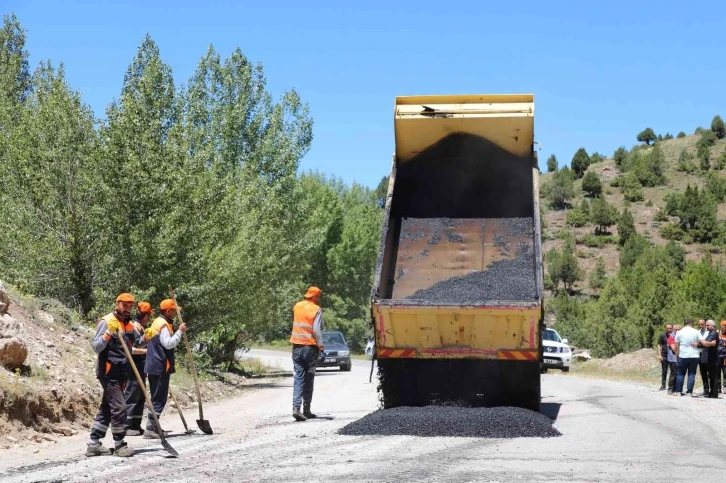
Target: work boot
134 432
662 388
124 451
149 434
298 415
308 414
97 450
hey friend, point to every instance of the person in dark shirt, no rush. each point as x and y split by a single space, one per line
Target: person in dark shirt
663 355
709 358
722 352
703 356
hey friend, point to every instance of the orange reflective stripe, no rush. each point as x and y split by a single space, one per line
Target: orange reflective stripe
168 365
108 367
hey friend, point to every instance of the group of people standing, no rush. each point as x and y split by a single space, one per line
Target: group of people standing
683 351
152 349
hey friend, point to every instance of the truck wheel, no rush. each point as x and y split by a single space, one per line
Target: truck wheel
565 369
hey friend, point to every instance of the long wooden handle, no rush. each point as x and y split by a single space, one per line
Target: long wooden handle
189 354
178 409
141 383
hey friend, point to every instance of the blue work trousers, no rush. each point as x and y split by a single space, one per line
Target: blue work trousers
305 360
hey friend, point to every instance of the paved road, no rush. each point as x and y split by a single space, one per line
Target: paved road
611 432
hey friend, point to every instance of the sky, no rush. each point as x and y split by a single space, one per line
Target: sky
600 71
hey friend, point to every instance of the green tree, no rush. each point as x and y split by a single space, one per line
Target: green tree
650 169
718 128
602 215
591 184
631 188
668 136
626 227
619 156
681 135
596 158
552 163
598 275
646 136
580 162
569 268
52 185
580 215
561 188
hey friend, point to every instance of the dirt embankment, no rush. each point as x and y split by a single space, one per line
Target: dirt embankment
55 393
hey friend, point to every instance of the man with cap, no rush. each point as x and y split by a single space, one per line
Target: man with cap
134 393
112 369
160 360
307 342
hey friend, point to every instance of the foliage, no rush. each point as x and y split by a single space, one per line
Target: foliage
681 135
596 158
591 184
646 136
619 156
560 189
671 231
631 188
668 136
382 191
602 215
718 127
591 240
552 163
598 276
580 162
721 161
704 145
563 266
626 226
684 162
716 185
697 212
195 186
580 215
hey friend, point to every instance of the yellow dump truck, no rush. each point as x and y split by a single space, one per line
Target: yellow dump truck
457 297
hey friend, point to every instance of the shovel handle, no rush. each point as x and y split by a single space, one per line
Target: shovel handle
189 354
179 410
142 386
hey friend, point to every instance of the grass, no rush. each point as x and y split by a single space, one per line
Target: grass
592 369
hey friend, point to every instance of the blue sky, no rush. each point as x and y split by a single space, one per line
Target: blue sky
600 73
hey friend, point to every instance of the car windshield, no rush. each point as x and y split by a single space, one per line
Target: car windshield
333 338
551 335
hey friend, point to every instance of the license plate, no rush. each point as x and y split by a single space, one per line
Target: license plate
552 361
329 359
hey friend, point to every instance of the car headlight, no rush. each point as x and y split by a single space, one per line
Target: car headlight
566 350
343 353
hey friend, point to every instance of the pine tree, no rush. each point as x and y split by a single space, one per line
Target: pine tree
551 163
597 277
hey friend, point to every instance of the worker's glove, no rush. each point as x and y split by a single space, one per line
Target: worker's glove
113 326
150 333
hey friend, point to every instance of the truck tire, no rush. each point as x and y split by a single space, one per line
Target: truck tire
565 369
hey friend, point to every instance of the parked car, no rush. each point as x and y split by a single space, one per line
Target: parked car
335 352
555 351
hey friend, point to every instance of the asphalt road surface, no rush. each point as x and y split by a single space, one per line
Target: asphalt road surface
611 432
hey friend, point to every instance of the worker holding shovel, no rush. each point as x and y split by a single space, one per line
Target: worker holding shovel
160 360
113 332
134 391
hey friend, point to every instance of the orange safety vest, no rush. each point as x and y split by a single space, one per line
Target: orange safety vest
303 319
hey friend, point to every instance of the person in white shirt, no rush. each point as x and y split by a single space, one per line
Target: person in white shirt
688 357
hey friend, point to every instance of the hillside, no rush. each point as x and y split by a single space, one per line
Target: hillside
644 212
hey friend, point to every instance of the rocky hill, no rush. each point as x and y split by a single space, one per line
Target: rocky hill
644 212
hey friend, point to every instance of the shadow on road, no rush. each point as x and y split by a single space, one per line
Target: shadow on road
551 410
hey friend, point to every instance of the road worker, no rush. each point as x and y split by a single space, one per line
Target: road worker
111 370
307 343
160 360
134 392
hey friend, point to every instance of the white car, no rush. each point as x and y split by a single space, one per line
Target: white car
556 353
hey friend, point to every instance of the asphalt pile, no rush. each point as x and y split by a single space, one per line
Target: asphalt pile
449 421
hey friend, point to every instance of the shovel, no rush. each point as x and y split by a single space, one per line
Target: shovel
181 415
164 442
201 422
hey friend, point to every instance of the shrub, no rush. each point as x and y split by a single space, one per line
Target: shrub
591 184
580 162
561 188
671 231
551 163
668 136
579 216
596 158
660 215
626 226
718 128
619 156
684 162
631 188
602 215
681 135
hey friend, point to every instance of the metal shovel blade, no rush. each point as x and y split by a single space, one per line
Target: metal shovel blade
169 449
204 426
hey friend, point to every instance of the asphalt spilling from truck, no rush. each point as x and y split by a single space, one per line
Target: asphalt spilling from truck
452 421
